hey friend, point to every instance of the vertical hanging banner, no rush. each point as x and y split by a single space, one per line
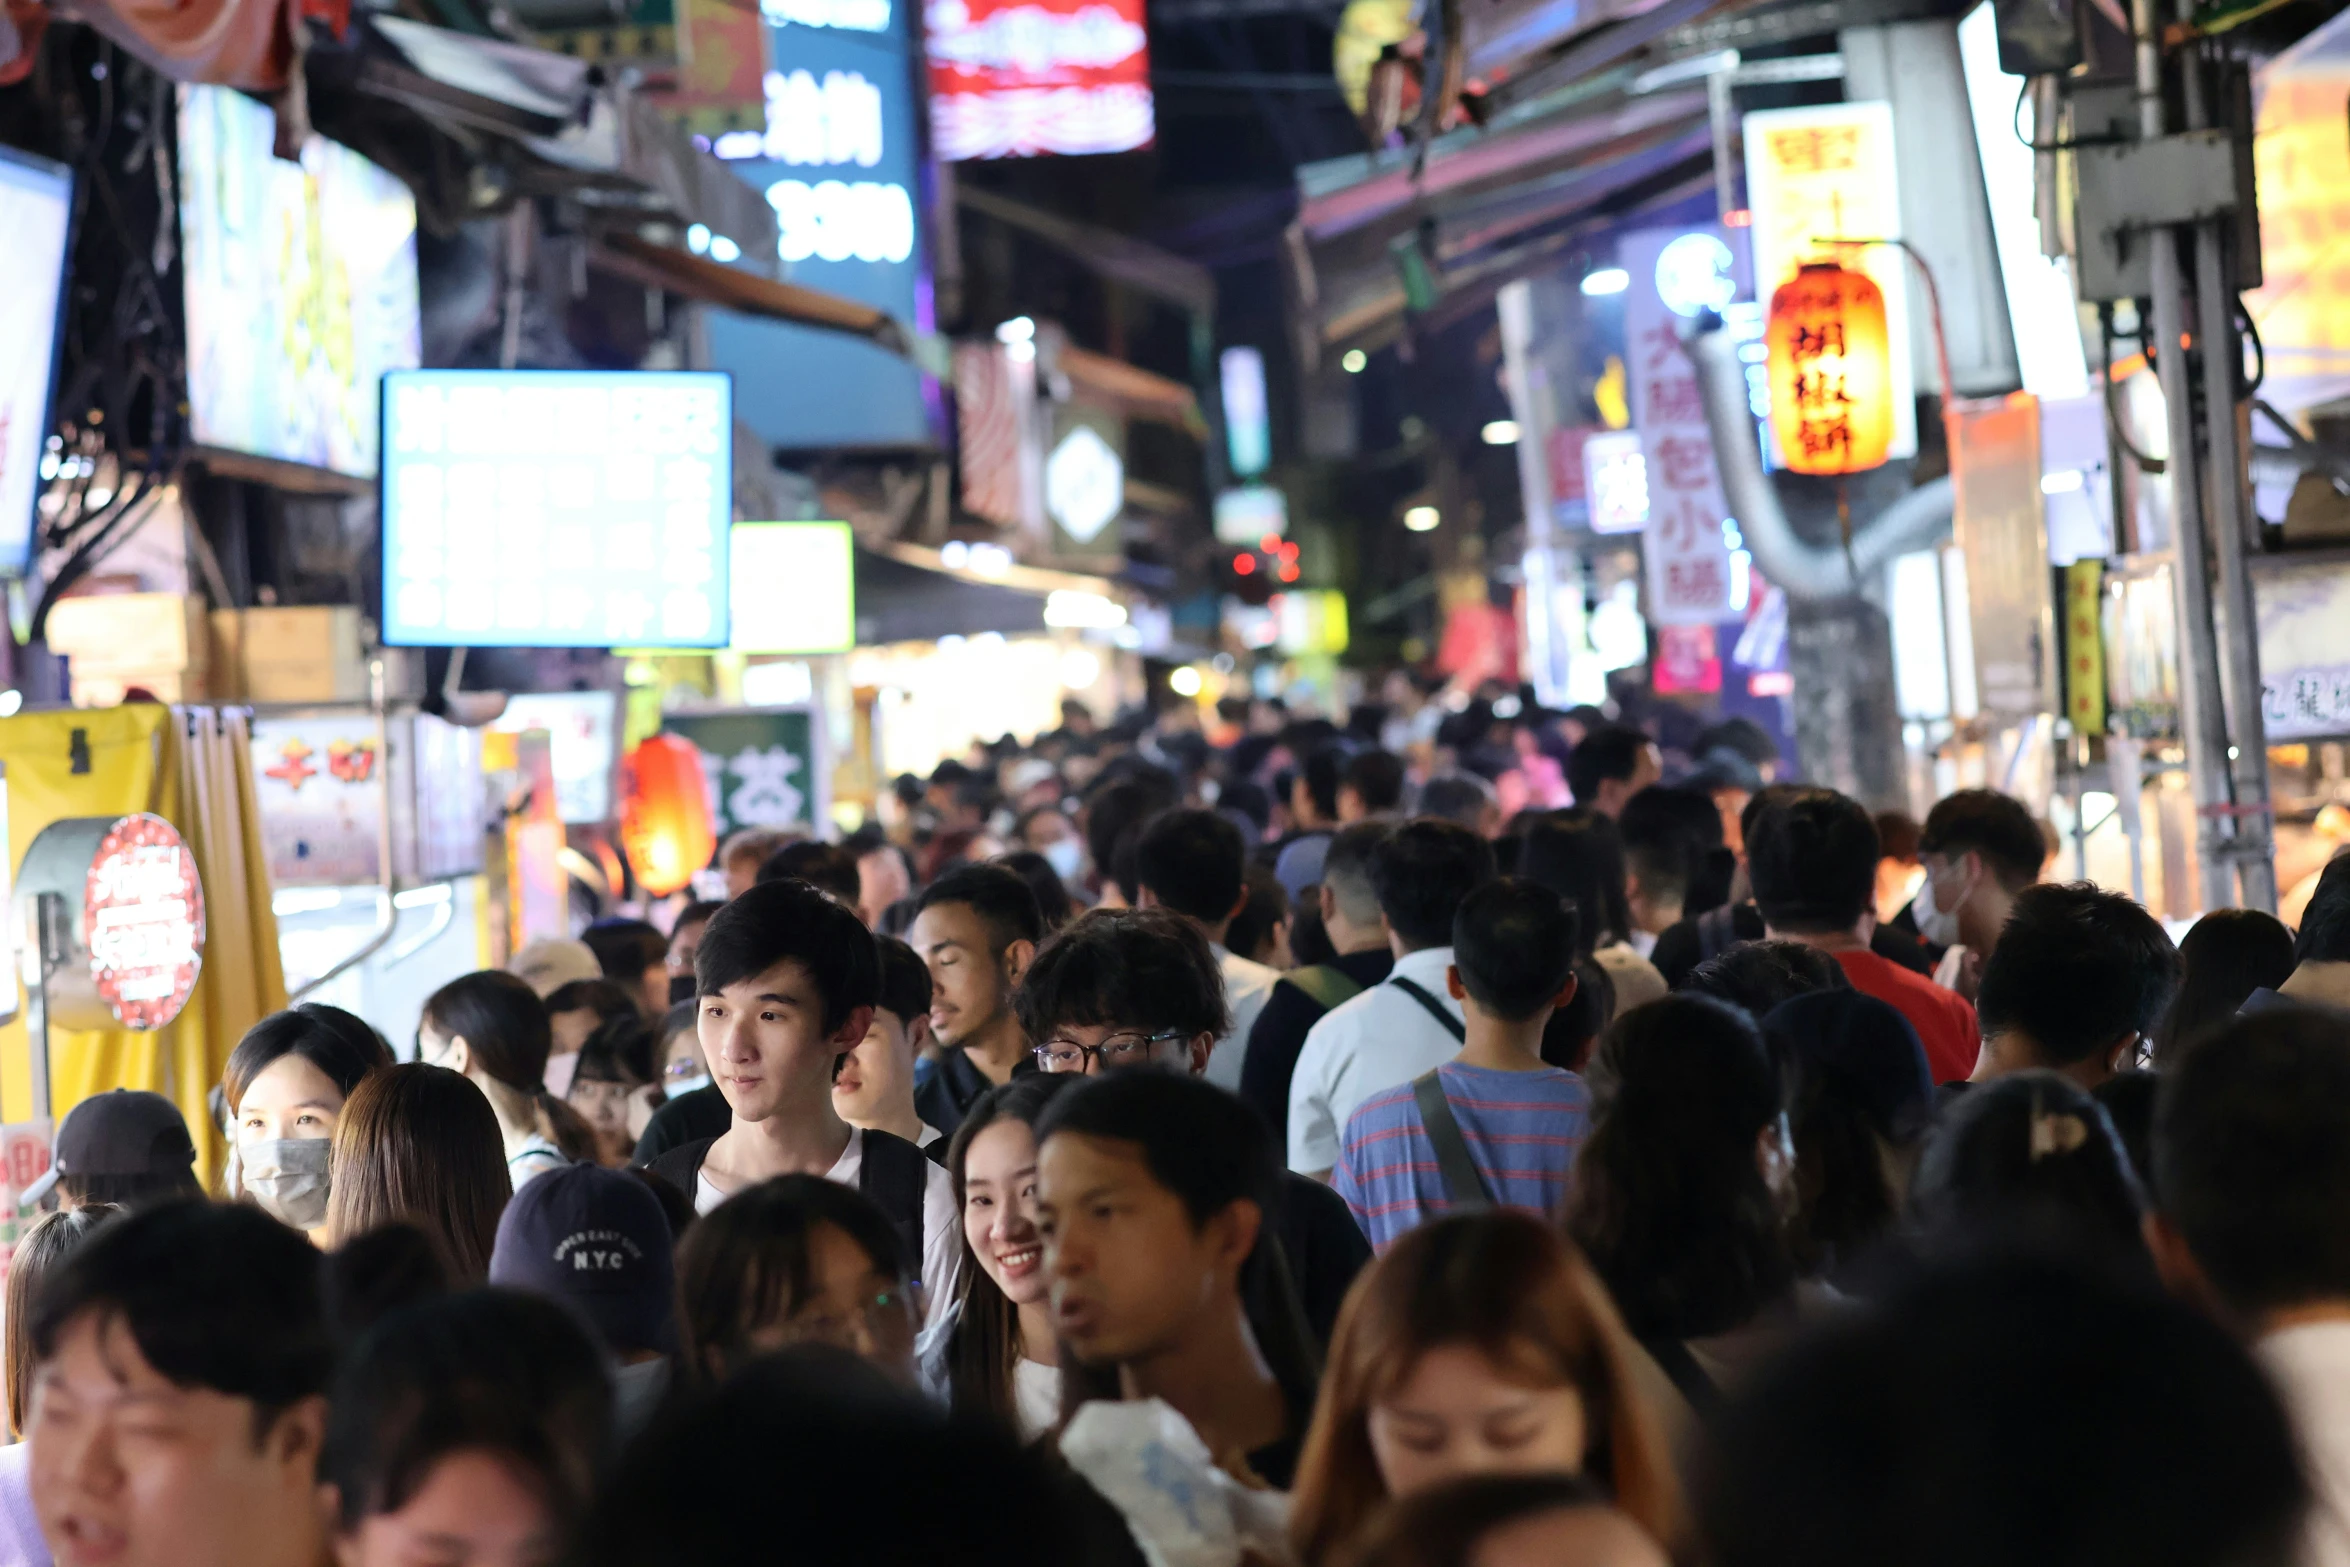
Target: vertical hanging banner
1826 172
1014 78
1675 275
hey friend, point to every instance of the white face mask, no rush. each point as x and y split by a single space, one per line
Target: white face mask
287 1177
1066 857
1936 924
679 1087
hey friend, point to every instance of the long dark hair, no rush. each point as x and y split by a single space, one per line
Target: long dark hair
506 1032
1667 1200
984 1346
1579 855
2227 955
47 1243
421 1143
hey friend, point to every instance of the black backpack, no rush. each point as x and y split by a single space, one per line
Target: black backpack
894 1173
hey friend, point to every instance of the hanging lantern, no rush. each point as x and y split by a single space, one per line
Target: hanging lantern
665 814
1831 371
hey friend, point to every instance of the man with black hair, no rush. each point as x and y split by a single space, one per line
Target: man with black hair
634 956
1194 863
180 1367
2251 1217
827 867
1668 833
1465 800
1496 1125
1317 797
2080 977
1304 996
788 980
1371 786
976 927
875 1088
1609 766
1140 989
2321 949
1152 1194
1812 858
1979 849
1394 1031
1114 814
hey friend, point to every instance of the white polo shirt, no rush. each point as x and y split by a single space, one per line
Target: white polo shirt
1364 1046
1246 985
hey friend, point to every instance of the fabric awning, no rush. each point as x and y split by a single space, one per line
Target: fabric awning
716 283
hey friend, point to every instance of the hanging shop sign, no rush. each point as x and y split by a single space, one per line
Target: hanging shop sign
1676 275
1821 173
113 912
761 767
838 158
1831 365
1013 78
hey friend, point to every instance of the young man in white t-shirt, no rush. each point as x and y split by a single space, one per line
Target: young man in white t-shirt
787 981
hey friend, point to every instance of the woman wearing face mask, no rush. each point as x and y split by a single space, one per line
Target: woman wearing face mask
1477 1345
284 1090
997 1352
492 1028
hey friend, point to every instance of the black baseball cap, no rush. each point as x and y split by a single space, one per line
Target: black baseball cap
127 1131
597 1240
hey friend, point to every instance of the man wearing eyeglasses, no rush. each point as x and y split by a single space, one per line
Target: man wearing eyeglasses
1139 989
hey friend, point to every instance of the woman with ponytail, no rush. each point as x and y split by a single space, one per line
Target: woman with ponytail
491 1027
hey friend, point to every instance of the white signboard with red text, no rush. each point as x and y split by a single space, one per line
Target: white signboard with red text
143 921
1676 274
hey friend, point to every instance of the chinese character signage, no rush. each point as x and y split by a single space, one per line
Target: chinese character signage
1826 172
837 158
547 508
2304 668
1675 274
1831 405
1613 474
143 921
1013 80
764 767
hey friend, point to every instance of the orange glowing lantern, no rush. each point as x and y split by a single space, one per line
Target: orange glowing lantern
665 814
1831 371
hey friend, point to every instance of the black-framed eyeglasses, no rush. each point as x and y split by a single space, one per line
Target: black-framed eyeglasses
1067 1055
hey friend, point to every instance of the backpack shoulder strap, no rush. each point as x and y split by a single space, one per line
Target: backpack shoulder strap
1328 986
1674 1359
896 1174
682 1165
1464 1185
1436 1009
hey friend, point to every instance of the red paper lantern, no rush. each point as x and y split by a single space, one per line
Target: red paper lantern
1831 371
665 825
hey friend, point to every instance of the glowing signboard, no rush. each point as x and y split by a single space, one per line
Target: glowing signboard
556 508
1012 78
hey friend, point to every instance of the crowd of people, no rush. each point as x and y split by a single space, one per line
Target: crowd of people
1276 1145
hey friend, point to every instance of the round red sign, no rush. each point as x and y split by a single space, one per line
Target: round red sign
143 921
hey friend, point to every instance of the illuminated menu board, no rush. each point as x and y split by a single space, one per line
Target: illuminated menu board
556 508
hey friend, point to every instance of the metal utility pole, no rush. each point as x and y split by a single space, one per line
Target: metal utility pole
2231 795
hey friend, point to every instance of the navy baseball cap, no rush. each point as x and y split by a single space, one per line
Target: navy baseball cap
125 1131
598 1240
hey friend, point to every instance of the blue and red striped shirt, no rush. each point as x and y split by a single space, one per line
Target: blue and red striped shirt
1522 1128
